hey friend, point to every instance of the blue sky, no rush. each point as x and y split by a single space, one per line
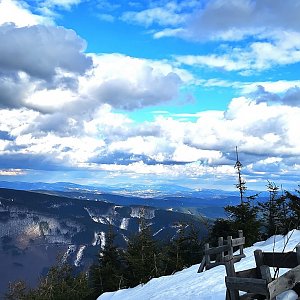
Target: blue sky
117 92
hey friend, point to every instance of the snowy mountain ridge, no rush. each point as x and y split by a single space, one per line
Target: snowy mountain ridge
209 285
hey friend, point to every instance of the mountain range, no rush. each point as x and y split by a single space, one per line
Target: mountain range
37 229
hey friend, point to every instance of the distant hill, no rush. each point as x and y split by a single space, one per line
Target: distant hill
204 203
132 190
36 227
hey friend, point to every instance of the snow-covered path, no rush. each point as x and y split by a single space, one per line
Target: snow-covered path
209 285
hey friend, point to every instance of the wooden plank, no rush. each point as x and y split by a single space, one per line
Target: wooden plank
229 243
285 282
240 232
238 242
214 264
238 257
253 285
221 243
216 250
233 294
206 255
280 260
230 271
202 265
250 273
250 296
298 253
258 260
265 273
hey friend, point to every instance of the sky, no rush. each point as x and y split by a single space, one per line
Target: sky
140 92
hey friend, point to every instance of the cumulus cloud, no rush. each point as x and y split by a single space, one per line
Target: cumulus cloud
259 55
17 12
128 83
236 19
54 63
269 29
113 143
290 97
54 47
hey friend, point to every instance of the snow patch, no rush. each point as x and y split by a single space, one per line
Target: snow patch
138 212
157 232
97 219
97 239
102 239
79 255
124 223
71 249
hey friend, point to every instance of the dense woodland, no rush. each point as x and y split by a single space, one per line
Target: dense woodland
146 258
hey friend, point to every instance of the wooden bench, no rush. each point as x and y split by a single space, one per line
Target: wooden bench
258 282
223 252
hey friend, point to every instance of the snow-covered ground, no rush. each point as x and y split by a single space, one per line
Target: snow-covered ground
209 285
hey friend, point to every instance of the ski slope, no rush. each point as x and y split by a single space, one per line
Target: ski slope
209 285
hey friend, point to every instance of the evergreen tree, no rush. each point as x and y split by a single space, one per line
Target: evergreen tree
108 274
241 185
59 284
142 256
244 217
221 228
182 251
274 212
293 208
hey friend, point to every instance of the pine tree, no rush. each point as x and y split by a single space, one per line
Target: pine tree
183 251
142 256
293 208
274 212
244 217
108 274
221 228
241 185
59 284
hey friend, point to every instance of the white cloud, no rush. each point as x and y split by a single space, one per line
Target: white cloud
66 4
55 47
236 19
163 16
12 172
17 12
259 55
106 17
270 33
129 83
267 136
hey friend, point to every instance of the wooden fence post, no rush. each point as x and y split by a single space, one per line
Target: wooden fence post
220 243
207 256
241 246
231 294
229 243
298 253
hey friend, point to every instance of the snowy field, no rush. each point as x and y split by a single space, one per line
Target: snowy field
209 285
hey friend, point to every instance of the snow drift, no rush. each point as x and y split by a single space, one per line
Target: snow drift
209 285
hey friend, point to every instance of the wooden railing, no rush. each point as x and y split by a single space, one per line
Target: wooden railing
258 282
223 252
